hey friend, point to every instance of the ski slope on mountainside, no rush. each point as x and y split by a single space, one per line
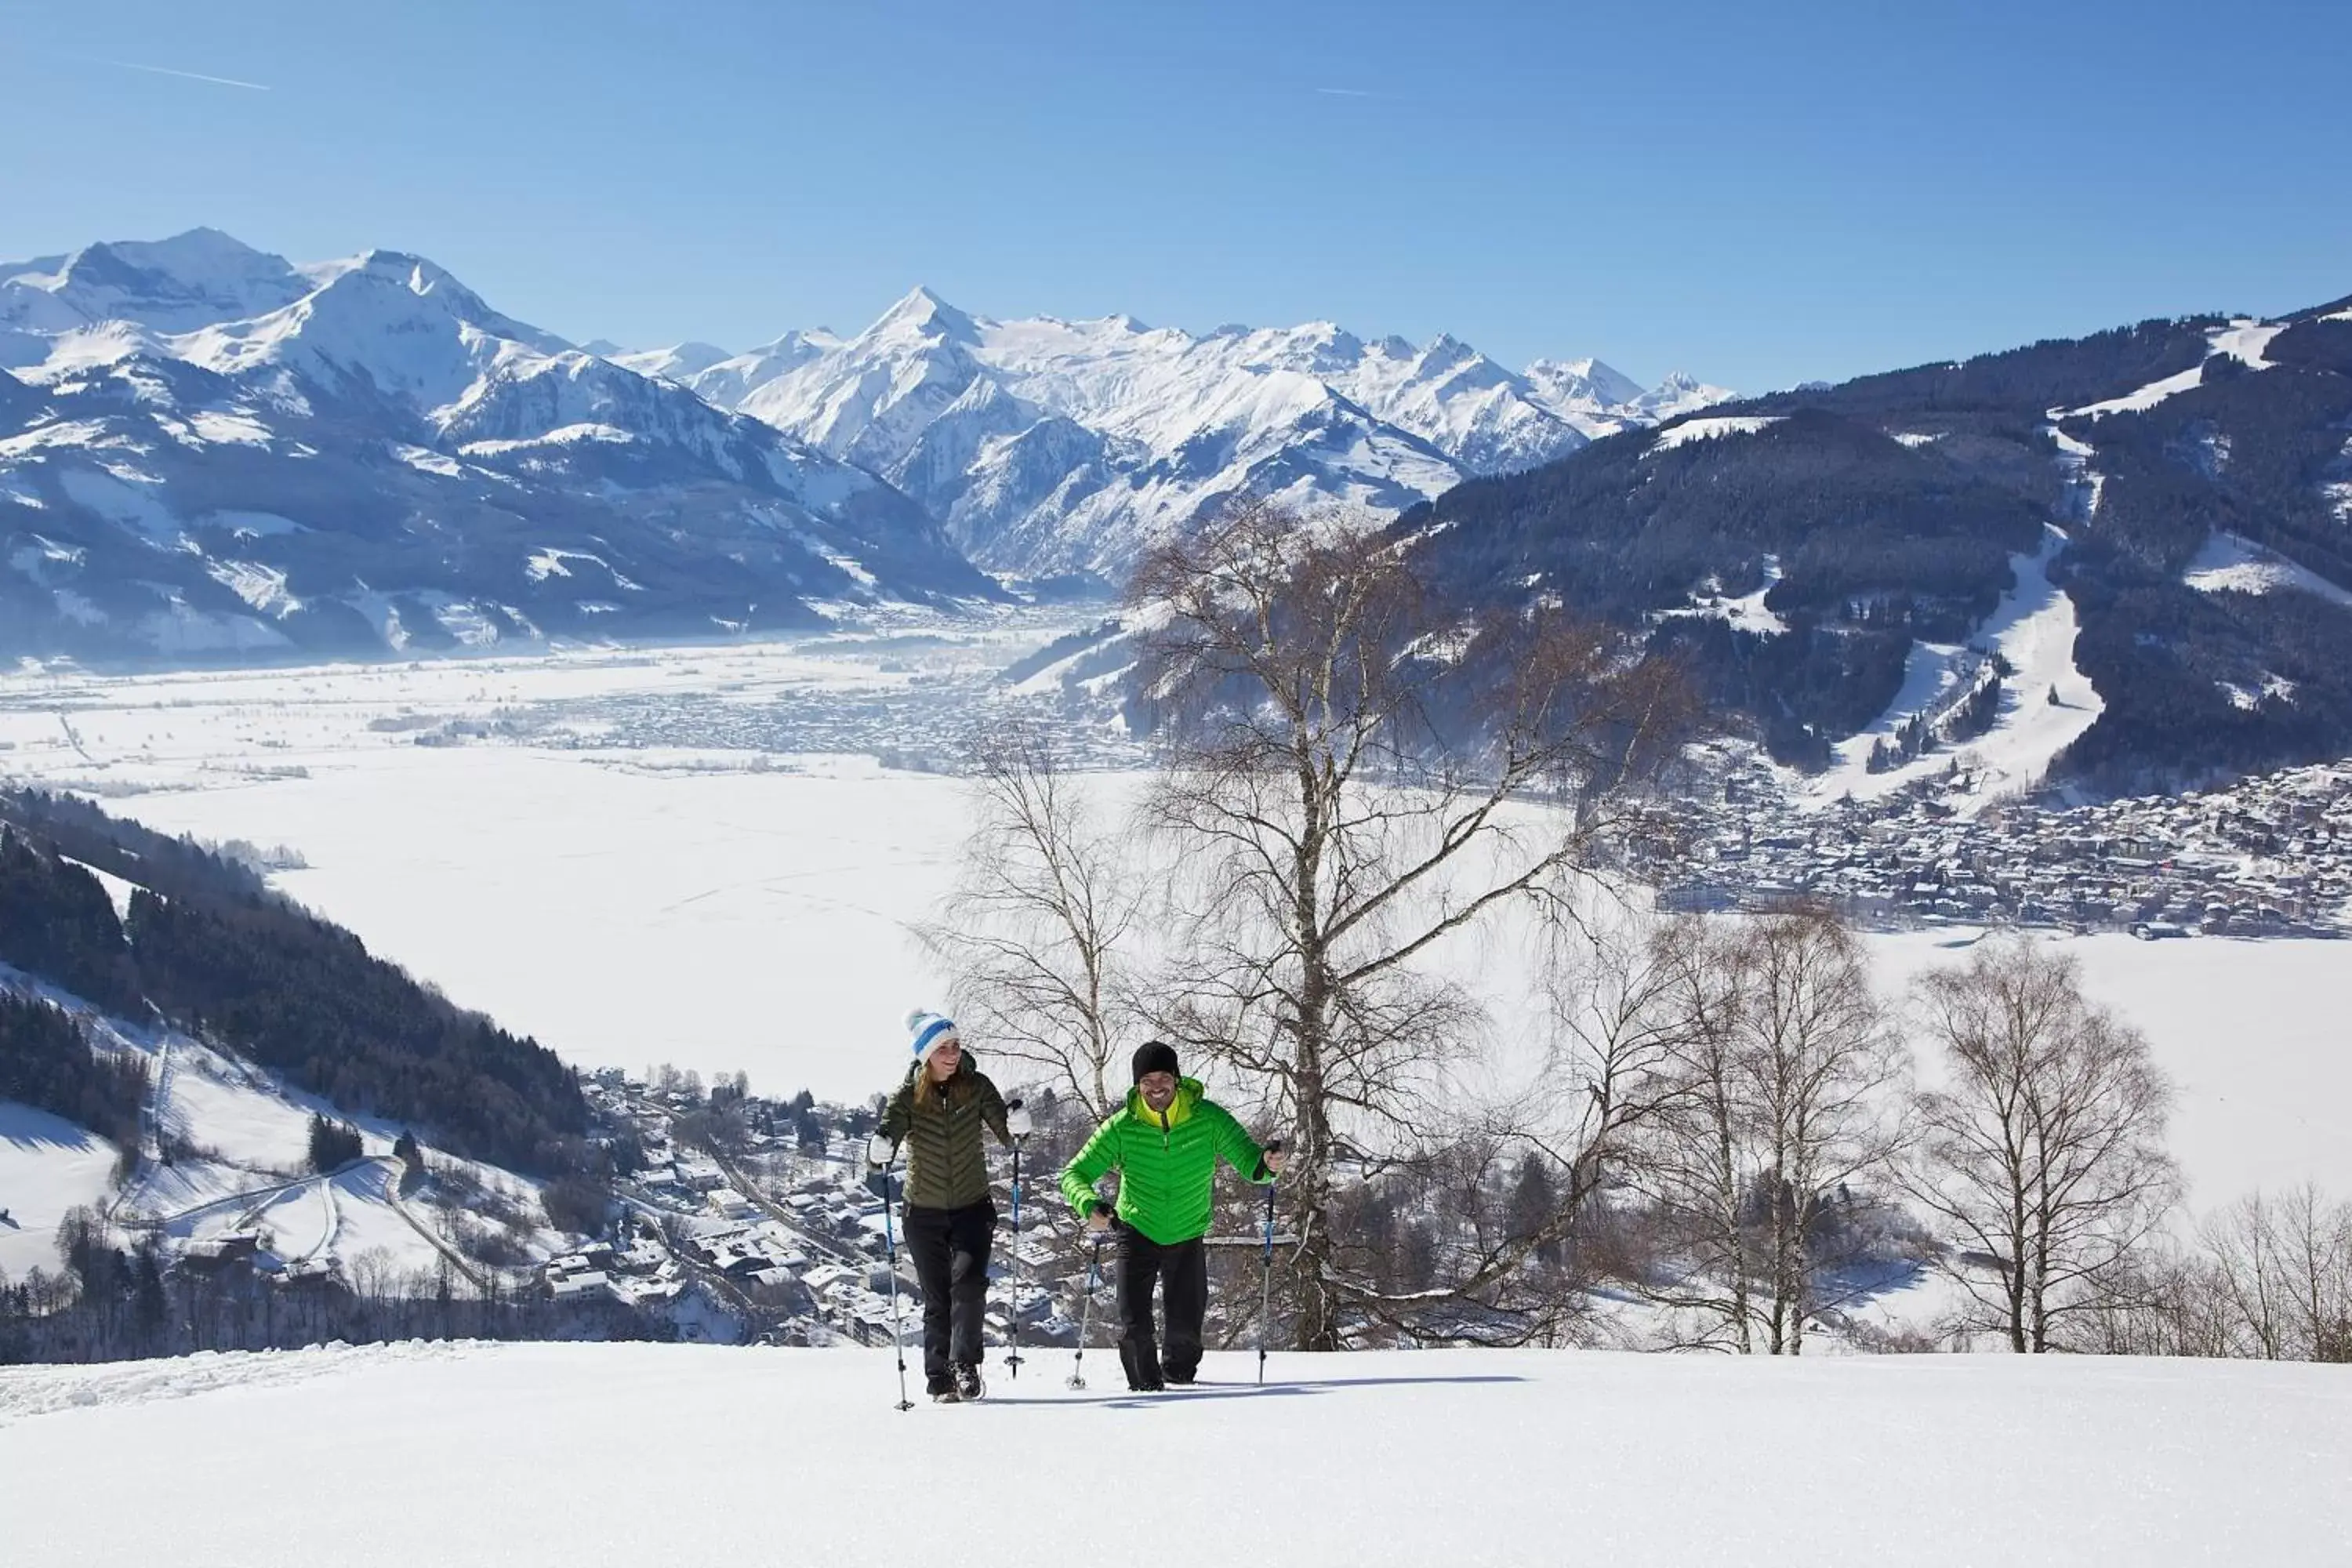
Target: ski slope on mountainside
47 1165
2035 629
2231 563
2243 339
527 1455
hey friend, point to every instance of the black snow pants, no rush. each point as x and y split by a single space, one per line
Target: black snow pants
1183 1269
950 1248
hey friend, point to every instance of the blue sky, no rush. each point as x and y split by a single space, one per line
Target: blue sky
1755 198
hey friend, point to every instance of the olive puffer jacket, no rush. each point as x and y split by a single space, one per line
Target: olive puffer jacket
947 1166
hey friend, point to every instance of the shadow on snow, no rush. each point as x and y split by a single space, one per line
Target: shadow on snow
1200 1392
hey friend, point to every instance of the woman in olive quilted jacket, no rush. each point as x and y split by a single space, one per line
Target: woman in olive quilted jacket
939 1113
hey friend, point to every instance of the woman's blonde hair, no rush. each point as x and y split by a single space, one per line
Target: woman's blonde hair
957 1088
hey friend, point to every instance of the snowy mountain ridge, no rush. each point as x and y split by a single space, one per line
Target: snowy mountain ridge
1048 445
205 450
208 450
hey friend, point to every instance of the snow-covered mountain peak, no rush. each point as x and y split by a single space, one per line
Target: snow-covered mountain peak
200 261
922 315
1585 386
376 322
1448 359
728 380
1317 348
1679 393
429 280
679 361
190 280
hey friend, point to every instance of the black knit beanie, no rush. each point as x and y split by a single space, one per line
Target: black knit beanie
1154 1056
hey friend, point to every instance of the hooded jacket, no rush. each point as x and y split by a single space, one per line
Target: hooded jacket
1167 1165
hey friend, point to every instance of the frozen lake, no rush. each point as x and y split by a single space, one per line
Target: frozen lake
601 850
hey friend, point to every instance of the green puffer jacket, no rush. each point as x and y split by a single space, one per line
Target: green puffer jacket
1166 1167
947 1166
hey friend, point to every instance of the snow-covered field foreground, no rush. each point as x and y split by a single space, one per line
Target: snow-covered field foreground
527 1455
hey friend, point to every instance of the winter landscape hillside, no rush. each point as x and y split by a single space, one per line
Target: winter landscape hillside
712 860
715 858
2127 543
2132 544
808 784
677 865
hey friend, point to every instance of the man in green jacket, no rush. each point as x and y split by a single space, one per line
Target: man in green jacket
1164 1142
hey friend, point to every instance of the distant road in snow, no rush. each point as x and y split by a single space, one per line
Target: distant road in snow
465 1265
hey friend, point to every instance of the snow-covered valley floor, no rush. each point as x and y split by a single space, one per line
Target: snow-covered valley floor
725 906
530 1455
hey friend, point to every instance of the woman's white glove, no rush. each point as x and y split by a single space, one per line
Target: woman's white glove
1016 1121
880 1151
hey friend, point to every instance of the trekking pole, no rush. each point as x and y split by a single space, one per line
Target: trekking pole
890 1237
1012 1356
1265 1273
1086 1314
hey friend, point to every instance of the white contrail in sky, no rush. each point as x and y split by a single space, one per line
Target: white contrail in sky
1344 92
190 76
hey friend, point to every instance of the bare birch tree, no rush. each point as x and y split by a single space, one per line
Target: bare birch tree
1791 1088
1823 1075
1696 1164
1618 986
1494 1227
2283 1268
1035 932
1354 772
2044 1147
